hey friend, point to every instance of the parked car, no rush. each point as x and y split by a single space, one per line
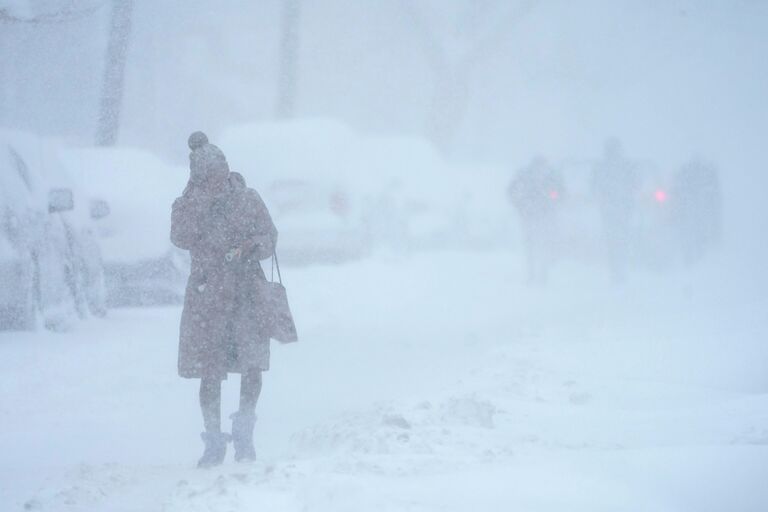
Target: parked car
656 245
314 221
141 266
303 170
337 194
650 233
50 263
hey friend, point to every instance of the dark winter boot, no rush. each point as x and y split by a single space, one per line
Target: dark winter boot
215 449
242 436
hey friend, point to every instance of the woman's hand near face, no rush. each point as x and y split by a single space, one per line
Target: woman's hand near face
248 246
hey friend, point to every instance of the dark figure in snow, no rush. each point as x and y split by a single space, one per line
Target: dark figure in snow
227 229
615 186
696 205
536 192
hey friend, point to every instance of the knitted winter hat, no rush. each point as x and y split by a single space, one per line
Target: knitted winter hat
196 140
205 159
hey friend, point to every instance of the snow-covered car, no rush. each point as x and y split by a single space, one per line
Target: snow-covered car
655 242
314 221
303 172
50 263
336 194
141 266
579 232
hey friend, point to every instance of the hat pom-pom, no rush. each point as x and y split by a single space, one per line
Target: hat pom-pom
196 140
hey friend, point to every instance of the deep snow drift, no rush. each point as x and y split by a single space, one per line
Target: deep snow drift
431 382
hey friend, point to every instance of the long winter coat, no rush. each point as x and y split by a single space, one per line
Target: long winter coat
535 192
222 324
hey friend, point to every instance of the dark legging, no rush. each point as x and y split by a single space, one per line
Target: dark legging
210 397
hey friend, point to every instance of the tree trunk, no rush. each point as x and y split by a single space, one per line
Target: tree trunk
289 59
450 99
114 73
453 73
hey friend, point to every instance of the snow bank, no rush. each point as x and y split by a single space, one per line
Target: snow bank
411 391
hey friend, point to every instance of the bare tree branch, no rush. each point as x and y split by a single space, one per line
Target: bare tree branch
452 74
436 54
504 26
430 43
63 16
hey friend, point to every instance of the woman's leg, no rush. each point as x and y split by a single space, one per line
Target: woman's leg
215 441
210 403
244 420
250 389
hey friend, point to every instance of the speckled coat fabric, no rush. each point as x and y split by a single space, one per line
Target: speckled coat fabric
222 324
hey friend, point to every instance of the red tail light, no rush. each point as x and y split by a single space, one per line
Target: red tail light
660 196
339 203
554 195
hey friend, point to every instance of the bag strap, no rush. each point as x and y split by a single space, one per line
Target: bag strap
275 264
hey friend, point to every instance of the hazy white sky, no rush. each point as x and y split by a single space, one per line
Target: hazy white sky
671 76
672 79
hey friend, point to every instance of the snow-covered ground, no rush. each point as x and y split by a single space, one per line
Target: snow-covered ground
428 382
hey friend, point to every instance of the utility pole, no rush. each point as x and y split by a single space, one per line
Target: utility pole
289 59
114 73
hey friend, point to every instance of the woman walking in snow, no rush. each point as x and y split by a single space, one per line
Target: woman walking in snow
227 229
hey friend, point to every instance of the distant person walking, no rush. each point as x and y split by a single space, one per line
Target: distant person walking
615 185
536 192
227 229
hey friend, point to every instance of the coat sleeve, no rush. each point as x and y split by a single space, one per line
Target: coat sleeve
262 230
185 232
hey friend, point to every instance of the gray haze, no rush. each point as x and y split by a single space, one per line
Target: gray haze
672 79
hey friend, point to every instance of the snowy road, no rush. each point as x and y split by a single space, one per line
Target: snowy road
435 382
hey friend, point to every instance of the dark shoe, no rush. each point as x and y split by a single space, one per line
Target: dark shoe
215 449
242 436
